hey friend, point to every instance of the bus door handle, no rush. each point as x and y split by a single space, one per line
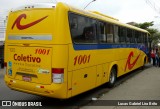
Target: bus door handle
85 76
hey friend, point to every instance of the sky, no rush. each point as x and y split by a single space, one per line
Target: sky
125 10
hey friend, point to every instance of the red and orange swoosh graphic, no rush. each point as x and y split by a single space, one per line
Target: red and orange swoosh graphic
128 63
25 26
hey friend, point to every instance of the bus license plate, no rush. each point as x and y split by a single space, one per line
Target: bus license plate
26 78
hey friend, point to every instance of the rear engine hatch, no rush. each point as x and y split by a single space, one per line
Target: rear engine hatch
31 64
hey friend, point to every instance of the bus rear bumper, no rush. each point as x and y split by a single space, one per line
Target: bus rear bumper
52 90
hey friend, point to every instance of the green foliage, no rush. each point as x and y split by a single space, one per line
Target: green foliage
145 25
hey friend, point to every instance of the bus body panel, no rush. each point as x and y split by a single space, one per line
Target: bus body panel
83 80
53 90
32 64
25 26
85 58
36 44
39 82
39 41
99 75
36 25
101 62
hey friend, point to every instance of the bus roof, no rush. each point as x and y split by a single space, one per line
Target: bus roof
34 5
93 14
100 16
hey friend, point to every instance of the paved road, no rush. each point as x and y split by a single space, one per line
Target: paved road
8 94
138 85
143 86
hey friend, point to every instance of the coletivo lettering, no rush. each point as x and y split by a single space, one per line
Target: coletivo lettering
28 58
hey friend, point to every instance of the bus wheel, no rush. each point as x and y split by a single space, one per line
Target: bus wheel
112 77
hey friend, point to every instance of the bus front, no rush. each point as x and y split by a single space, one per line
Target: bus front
36 52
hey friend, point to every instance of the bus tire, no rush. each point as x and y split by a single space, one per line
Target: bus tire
112 77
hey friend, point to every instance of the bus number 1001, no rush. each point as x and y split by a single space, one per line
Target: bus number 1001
81 59
42 51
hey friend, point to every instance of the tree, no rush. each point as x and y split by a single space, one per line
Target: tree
155 38
145 25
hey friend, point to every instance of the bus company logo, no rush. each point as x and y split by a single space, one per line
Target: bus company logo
25 26
128 63
6 103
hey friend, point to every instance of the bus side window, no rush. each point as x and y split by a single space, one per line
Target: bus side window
116 35
89 31
106 33
133 37
110 32
129 35
74 23
140 37
83 29
143 36
136 36
122 34
146 40
102 32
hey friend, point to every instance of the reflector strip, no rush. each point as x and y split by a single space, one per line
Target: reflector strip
39 86
30 37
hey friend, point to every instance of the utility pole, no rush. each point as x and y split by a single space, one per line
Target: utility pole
89 4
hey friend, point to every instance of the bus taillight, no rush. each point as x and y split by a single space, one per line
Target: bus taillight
5 67
57 75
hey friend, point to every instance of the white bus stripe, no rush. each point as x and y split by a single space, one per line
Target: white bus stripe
29 37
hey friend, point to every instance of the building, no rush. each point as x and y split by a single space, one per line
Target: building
132 23
3 20
2 27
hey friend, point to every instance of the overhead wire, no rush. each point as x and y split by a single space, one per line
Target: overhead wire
153 5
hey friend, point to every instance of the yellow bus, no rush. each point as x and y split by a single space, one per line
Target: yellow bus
59 51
